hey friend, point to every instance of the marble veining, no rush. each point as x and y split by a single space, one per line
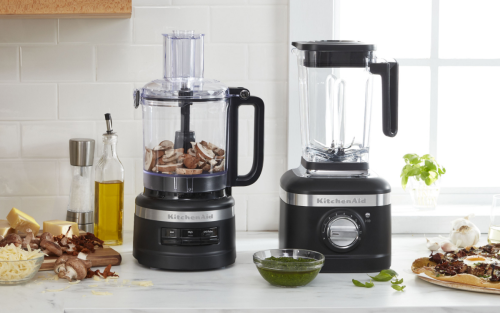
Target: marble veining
240 288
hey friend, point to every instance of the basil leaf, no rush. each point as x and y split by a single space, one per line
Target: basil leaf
397 287
360 284
381 277
397 281
389 272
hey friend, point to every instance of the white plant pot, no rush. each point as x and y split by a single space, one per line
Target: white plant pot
424 197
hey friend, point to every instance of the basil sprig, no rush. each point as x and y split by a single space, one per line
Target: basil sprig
384 275
368 284
423 168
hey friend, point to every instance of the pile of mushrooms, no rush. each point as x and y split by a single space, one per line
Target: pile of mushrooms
30 240
203 157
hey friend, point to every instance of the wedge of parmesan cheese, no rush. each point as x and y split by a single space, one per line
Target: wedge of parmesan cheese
21 221
58 227
5 228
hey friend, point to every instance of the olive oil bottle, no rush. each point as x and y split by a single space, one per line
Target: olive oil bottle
109 183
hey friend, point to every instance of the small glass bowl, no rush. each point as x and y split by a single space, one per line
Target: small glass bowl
288 274
36 262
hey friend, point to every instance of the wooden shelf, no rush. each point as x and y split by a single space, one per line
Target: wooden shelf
65 8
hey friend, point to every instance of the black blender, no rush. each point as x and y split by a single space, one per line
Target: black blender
333 203
184 219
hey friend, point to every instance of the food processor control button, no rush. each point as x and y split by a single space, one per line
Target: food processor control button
210 241
343 232
170 232
189 233
367 215
209 232
191 242
170 241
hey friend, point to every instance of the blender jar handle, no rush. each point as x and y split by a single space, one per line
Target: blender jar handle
242 97
389 72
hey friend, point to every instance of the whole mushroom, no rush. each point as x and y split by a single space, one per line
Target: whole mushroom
74 268
11 238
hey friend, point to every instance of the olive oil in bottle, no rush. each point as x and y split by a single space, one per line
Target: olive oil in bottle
109 211
109 181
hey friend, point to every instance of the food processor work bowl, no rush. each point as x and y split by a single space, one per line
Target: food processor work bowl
335 96
190 123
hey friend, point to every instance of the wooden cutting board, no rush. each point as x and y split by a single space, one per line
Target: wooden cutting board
101 257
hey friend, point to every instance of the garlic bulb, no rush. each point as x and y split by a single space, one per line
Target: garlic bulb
432 245
464 233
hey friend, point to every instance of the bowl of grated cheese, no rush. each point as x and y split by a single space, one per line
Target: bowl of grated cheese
17 265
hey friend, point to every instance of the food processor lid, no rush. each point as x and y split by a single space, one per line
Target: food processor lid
334 45
183 70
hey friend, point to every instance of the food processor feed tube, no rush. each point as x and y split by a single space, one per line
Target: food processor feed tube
184 219
333 190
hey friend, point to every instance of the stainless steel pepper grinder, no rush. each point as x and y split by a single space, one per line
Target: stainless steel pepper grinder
81 200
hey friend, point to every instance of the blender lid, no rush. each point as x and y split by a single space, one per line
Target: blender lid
334 45
183 70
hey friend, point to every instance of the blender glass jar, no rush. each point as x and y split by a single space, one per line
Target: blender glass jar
335 90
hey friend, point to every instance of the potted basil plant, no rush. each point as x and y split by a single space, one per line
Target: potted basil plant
422 176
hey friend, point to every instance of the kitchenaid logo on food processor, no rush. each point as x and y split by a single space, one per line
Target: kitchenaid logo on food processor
341 201
190 217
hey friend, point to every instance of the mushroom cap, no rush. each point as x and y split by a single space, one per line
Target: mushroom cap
47 236
78 266
51 247
11 238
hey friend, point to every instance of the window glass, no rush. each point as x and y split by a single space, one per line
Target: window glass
469 29
402 33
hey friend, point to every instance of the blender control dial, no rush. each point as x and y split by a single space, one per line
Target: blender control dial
343 231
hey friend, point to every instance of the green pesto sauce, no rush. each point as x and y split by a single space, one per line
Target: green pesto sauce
288 274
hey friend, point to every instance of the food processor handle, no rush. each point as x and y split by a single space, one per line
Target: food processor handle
244 98
389 72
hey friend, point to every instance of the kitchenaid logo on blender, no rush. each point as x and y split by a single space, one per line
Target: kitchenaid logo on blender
190 217
354 200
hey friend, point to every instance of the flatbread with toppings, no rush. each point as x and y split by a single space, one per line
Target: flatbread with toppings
477 266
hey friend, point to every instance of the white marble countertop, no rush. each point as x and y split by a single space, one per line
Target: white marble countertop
240 288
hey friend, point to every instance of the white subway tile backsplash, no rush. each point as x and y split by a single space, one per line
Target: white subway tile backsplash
249 24
51 139
91 101
151 23
108 30
263 212
129 63
268 62
10 140
88 67
57 63
225 61
41 208
32 31
208 2
9 64
129 138
28 178
156 3
28 101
